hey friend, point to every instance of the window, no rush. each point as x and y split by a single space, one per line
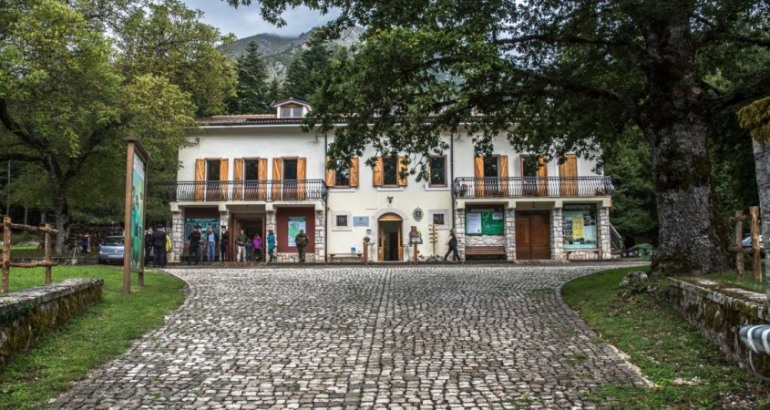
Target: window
579 226
530 166
342 176
490 167
212 169
437 171
438 219
289 169
251 169
390 171
342 220
291 112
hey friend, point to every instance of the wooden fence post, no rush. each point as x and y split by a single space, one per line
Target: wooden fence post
47 259
739 243
757 263
6 252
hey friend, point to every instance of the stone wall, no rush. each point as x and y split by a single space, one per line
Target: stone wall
28 314
719 310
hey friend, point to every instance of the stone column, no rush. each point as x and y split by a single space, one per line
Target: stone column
319 235
603 225
557 230
177 236
510 234
460 232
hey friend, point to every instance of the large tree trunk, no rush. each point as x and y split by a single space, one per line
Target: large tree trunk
762 167
692 234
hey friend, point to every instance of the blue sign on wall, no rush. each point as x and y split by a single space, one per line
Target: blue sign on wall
361 221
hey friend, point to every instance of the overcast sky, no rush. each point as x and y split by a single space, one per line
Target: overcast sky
245 21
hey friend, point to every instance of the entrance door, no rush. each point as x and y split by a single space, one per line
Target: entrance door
533 235
250 225
389 240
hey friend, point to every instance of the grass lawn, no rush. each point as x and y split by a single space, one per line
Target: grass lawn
688 369
103 332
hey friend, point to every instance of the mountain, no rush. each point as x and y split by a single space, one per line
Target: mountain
279 51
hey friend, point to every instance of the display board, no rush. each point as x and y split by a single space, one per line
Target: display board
485 221
579 226
296 223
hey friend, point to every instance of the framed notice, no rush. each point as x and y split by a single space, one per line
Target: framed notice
485 221
296 224
133 225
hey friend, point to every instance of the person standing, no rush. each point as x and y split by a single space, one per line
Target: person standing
159 246
301 241
85 241
195 246
248 246
211 245
270 245
452 244
147 246
224 241
257 247
240 242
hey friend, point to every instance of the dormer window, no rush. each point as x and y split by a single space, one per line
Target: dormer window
291 108
291 112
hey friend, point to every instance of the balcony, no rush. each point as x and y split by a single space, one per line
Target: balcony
243 191
532 187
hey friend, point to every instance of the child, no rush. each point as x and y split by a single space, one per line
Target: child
248 245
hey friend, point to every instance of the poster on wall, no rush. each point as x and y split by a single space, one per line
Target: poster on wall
485 222
579 226
204 223
137 215
296 223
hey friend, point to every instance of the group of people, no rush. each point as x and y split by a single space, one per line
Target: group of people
157 243
248 246
197 239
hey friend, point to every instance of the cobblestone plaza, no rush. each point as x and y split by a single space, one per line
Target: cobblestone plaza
460 336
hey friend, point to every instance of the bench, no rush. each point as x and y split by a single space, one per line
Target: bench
354 257
485 252
597 252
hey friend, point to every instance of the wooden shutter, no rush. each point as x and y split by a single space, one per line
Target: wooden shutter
238 178
542 176
377 172
568 175
403 177
502 161
478 173
301 178
200 178
354 172
277 178
331 174
224 171
262 177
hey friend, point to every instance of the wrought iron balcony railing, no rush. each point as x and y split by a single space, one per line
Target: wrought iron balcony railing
515 187
251 190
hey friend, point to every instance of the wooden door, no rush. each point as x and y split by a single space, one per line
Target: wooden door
533 235
568 175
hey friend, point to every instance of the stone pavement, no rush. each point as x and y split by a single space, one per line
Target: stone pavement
458 336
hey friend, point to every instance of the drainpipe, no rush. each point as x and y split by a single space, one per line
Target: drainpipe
452 175
326 203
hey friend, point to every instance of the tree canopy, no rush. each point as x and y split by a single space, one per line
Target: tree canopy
69 94
252 93
569 75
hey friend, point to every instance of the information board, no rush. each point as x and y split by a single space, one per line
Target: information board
489 221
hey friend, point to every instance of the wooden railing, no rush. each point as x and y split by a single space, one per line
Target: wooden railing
251 190
515 187
6 227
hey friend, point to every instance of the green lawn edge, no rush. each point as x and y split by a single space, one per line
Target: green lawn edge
688 370
105 331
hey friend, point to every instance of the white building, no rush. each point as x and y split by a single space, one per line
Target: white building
261 172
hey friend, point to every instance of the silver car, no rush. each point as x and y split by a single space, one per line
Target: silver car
111 249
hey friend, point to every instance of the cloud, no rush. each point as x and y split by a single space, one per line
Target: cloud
245 20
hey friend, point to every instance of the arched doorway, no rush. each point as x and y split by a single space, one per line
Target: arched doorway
389 237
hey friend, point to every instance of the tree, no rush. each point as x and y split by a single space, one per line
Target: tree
568 75
252 95
66 103
307 70
755 117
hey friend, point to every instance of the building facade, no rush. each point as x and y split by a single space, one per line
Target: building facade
262 172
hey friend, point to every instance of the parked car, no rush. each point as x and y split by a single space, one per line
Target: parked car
111 249
746 242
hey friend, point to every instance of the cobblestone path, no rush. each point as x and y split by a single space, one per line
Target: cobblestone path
350 337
